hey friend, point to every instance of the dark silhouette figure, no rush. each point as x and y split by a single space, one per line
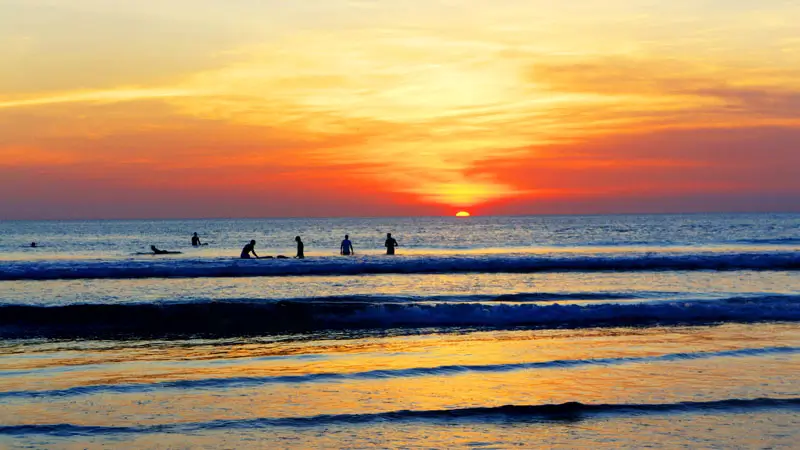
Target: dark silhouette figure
391 243
156 251
33 244
196 240
249 248
347 247
300 248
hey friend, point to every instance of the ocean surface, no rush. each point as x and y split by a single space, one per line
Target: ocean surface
625 331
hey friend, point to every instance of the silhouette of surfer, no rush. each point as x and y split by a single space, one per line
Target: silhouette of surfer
156 251
347 247
249 248
391 243
300 248
196 240
33 244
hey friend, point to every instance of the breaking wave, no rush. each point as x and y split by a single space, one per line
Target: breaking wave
222 318
192 268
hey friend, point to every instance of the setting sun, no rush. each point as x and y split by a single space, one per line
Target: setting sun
462 214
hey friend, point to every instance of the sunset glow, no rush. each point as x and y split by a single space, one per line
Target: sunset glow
217 109
462 214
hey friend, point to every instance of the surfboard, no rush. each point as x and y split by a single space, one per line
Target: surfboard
158 254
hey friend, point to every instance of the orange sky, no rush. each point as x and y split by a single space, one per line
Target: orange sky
211 108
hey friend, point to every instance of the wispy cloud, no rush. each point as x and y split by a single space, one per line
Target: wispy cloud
433 102
105 96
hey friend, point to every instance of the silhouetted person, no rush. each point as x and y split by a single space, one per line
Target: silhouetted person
391 243
300 248
156 251
33 244
196 240
347 247
249 248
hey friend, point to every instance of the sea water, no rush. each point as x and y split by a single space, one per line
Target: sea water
492 332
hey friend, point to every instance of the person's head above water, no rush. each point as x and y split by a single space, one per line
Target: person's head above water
153 248
33 244
388 235
195 234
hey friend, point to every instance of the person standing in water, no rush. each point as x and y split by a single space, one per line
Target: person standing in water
391 243
249 248
196 240
300 248
346 248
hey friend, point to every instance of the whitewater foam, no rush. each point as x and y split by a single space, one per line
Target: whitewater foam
238 319
203 268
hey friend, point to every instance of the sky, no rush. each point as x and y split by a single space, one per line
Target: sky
278 108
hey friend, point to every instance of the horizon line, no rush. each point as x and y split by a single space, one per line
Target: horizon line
425 216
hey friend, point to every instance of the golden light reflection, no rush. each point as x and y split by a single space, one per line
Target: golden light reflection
417 113
135 363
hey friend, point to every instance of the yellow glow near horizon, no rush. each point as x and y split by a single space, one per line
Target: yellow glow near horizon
434 104
463 214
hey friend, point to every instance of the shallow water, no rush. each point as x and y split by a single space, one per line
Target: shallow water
608 332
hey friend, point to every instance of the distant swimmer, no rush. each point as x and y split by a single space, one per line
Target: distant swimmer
347 247
196 240
300 248
33 244
156 251
391 243
249 248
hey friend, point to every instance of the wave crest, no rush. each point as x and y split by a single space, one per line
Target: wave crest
187 268
239 318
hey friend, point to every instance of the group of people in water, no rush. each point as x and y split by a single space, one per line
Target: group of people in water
345 249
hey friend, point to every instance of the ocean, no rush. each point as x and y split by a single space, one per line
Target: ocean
618 331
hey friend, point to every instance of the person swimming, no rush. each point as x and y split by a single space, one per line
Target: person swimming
33 244
300 248
391 243
196 240
249 248
157 251
347 247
